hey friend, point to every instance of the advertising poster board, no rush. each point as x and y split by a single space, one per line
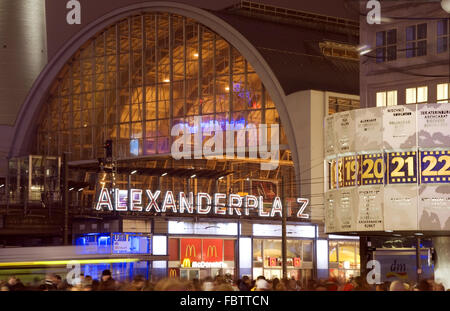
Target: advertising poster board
399 127
370 208
347 203
401 264
434 125
344 129
330 210
368 129
434 207
329 136
400 207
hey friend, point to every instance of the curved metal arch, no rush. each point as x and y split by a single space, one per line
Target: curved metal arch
27 120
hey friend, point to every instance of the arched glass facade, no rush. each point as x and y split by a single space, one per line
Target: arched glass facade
138 78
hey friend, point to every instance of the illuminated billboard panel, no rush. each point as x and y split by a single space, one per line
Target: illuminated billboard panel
392 173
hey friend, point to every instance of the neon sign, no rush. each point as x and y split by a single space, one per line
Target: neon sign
201 204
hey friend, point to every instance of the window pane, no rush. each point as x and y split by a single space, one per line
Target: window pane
381 38
422 48
392 98
381 99
410 33
442 91
411 96
392 53
410 49
307 251
422 31
392 36
333 251
442 44
380 55
442 27
422 94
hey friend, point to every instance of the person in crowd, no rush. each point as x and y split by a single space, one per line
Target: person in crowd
381 287
246 284
4 287
14 284
208 284
171 285
262 285
360 284
107 283
137 285
397 286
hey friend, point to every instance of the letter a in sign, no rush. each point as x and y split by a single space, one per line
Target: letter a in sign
104 200
74 15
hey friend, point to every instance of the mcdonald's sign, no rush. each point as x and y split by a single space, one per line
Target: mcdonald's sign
174 273
186 263
190 249
212 250
273 261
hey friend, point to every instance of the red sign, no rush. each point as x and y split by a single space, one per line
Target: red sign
228 250
272 261
212 250
297 262
191 249
174 249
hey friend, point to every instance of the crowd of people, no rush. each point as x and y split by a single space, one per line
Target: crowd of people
53 282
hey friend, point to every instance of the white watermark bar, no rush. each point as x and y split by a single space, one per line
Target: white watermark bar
211 140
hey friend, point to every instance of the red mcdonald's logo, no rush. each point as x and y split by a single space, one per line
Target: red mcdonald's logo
297 262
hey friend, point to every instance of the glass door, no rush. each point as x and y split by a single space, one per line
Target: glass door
189 274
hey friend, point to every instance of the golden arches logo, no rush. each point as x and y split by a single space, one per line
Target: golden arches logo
212 251
186 263
173 273
191 249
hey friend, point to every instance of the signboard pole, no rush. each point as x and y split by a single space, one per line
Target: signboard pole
283 231
418 261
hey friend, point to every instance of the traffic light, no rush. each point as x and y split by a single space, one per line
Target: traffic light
108 147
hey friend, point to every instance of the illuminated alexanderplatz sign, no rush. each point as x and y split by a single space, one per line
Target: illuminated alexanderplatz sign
204 204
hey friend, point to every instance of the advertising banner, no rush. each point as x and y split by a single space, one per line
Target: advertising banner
190 249
434 167
212 250
331 203
347 203
370 208
369 129
399 127
434 207
400 207
121 244
329 136
401 264
434 125
401 167
344 129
